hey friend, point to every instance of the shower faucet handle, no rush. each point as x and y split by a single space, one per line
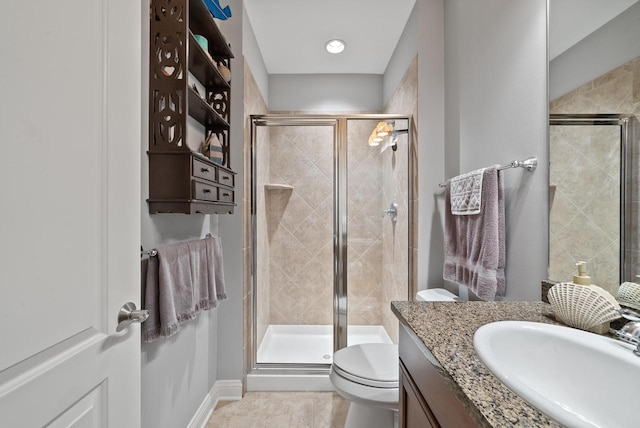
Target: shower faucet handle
391 212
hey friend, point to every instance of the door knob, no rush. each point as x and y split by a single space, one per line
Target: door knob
128 314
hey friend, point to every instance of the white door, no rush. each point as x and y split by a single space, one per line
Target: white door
70 111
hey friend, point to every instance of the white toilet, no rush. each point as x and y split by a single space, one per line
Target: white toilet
436 295
367 375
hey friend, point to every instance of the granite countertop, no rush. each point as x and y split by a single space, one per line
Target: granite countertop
447 329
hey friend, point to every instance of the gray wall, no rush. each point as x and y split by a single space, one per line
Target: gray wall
177 372
431 115
253 56
615 43
230 315
325 92
404 53
497 111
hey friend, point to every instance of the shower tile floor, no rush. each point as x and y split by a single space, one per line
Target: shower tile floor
312 344
282 410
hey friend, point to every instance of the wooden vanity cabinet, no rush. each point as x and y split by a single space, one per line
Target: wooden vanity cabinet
426 396
414 411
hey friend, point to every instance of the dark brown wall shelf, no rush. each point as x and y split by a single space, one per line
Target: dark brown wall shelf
181 180
201 66
193 180
201 22
204 113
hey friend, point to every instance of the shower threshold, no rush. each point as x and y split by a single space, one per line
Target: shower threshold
311 344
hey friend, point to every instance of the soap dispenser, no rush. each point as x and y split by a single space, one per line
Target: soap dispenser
585 280
582 278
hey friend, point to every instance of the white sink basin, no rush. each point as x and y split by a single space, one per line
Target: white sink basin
577 378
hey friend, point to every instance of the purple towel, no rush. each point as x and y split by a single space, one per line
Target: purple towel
182 280
474 245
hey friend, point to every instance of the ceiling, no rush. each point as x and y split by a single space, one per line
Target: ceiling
572 20
291 34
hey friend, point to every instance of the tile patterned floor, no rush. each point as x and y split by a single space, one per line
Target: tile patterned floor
282 410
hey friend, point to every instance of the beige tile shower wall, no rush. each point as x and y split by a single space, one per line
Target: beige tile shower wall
299 225
254 104
396 182
585 215
365 247
616 92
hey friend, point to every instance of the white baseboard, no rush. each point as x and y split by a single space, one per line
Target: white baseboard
226 390
222 390
298 382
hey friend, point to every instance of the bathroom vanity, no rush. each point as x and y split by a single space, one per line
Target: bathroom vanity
442 381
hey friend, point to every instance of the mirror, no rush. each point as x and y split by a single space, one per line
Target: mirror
594 88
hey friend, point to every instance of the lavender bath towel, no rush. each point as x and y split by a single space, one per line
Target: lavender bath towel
474 245
182 280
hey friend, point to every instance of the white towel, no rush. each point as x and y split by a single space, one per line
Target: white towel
182 280
474 245
466 193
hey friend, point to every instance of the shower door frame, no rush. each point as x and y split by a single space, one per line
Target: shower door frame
623 121
340 301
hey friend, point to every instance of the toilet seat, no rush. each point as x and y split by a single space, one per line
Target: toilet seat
370 364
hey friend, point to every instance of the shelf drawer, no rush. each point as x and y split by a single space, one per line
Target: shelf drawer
203 170
225 195
204 192
225 178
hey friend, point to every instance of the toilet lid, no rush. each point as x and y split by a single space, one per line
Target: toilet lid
373 364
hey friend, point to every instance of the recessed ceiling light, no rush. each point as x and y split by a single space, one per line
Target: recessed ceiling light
335 46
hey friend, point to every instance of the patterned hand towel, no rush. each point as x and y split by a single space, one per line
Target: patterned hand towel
475 244
466 193
182 280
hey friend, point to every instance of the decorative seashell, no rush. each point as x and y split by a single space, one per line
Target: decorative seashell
629 292
582 306
225 72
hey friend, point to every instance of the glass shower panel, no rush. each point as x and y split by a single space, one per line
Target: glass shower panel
378 226
584 202
294 201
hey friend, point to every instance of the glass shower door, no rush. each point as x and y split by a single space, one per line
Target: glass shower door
293 195
378 226
586 203
326 262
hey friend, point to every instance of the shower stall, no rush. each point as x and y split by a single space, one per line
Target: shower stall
331 205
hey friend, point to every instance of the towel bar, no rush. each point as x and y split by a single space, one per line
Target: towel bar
150 253
530 164
154 252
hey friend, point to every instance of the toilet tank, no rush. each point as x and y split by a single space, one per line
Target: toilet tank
436 295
